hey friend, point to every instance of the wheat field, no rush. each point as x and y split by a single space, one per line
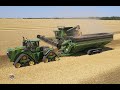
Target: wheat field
100 68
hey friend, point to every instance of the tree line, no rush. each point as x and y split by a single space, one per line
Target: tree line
100 18
106 18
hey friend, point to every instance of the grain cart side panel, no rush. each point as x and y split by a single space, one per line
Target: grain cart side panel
81 46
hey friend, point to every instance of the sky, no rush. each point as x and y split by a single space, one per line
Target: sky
58 11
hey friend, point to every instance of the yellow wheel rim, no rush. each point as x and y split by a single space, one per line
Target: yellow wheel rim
56 59
17 65
51 54
24 57
46 60
31 63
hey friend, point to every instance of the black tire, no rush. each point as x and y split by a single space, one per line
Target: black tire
90 52
100 50
38 36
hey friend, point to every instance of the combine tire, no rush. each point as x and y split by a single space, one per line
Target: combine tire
90 52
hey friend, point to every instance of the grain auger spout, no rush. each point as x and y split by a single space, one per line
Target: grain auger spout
47 40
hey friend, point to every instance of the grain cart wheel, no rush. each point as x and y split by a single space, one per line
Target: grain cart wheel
17 65
99 50
89 52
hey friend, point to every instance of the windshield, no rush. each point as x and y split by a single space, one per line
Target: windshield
35 44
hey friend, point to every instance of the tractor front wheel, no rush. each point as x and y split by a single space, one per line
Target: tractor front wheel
17 65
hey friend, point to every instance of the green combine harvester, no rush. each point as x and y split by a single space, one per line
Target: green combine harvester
70 41
30 53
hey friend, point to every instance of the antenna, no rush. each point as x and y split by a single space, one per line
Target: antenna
23 39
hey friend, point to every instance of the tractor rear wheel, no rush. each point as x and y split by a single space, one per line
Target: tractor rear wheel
17 65
57 59
46 60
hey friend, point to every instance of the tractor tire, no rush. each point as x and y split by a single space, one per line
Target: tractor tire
25 57
46 60
17 65
31 63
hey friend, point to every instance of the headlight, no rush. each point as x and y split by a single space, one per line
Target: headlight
8 53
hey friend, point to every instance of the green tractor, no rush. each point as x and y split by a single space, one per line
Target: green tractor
30 53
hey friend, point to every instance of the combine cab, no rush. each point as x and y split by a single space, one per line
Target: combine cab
30 53
69 40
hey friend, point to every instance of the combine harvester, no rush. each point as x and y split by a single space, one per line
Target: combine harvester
70 41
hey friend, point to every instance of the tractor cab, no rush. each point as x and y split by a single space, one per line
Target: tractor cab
31 44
